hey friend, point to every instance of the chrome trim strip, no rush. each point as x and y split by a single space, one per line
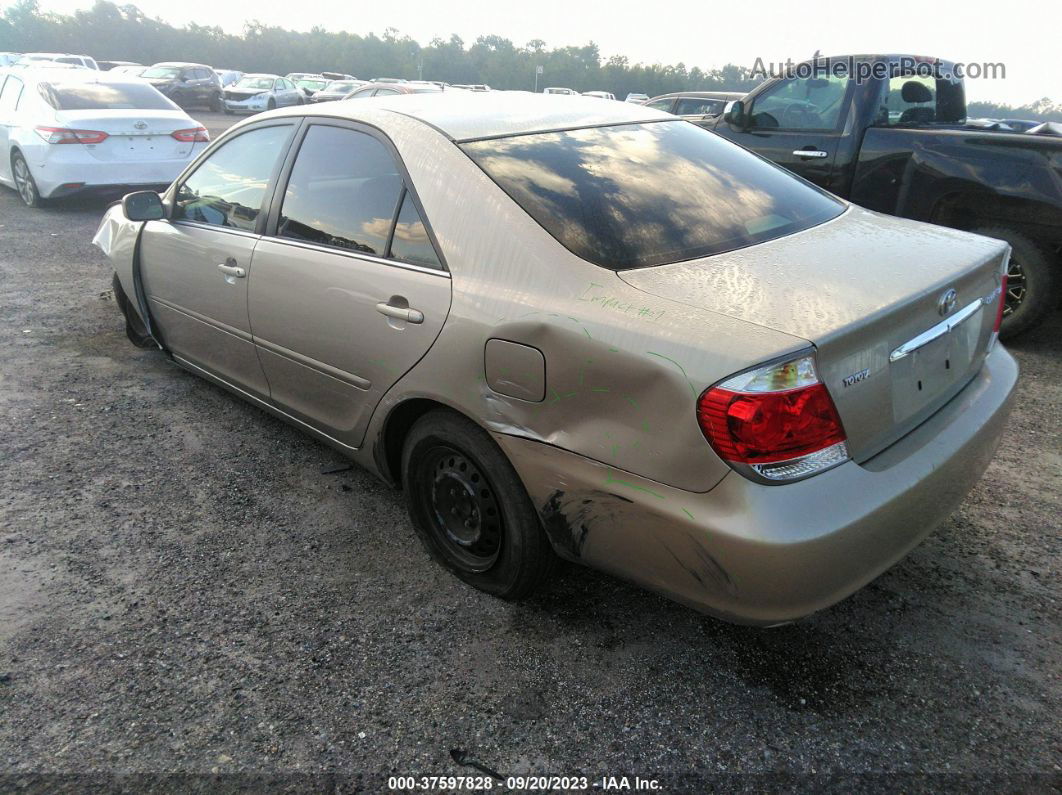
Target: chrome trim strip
357 255
937 331
240 333
228 230
257 401
325 369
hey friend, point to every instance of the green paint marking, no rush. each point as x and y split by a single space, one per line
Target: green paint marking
614 350
609 479
632 401
680 367
599 389
688 514
556 397
645 426
570 394
586 332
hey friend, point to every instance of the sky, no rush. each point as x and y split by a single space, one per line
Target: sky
1024 35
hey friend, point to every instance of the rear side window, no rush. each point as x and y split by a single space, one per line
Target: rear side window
410 242
696 106
228 188
635 195
343 191
918 99
103 96
10 94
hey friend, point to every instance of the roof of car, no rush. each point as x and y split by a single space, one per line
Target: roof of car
703 94
179 63
262 74
468 115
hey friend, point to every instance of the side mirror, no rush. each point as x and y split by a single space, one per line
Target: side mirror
144 205
735 116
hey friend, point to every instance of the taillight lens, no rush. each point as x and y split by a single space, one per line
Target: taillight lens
778 420
1002 302
61 135
192 136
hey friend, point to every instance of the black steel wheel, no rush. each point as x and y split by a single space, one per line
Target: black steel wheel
1032 281
463 507
470 509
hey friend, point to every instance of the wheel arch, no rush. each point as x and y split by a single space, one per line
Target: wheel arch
387 451
970 209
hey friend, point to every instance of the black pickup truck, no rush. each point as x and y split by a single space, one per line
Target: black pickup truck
888 133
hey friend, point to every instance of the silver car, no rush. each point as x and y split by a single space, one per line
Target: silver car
259 92
588 330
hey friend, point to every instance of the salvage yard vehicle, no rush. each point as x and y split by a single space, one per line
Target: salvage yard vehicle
187 84
259 92
694 105
897 143
337 89
587 329
74 130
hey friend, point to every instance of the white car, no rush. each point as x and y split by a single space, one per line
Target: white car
637 99
84 61
258 92
64 132
599 94
558 90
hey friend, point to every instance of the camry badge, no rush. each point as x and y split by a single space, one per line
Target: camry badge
946 302
141 125
855 378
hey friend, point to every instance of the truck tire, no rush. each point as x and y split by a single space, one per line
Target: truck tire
1032 281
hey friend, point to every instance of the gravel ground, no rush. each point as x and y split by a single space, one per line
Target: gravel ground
184 591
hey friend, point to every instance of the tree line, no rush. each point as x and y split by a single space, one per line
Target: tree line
123 32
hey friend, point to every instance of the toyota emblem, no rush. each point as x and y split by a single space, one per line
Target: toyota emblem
946 302
141 125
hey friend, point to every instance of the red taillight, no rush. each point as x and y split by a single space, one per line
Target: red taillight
192 136
1002 303
61 135
779 420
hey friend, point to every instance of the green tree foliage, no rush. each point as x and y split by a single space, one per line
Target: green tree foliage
123 32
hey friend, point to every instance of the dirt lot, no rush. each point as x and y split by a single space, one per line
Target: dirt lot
183 590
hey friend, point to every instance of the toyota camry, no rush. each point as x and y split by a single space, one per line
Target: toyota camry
584 330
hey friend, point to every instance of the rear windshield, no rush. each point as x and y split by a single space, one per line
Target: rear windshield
635 195
104 96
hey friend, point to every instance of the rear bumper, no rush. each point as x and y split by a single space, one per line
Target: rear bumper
760 554
56 178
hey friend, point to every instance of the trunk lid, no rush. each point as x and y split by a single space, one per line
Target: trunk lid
132 135
859 288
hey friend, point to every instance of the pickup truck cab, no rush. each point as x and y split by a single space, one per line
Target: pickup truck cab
888 132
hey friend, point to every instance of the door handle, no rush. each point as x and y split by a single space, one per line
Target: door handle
232 270
400 312
810 153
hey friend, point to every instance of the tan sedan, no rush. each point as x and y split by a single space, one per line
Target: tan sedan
588 330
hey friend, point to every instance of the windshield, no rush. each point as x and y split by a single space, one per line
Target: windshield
160 73
260 83
313 85
103 96
635 195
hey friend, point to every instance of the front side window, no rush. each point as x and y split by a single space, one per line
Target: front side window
801 103
634 195
343 191
229 187
661 104
699 106
160 73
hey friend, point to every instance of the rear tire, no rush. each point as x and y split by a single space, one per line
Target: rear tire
470 509
134 326
1032 281
24 182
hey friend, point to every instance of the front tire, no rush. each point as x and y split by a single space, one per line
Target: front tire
24 182
216 104
1032 281
470 509
271 105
